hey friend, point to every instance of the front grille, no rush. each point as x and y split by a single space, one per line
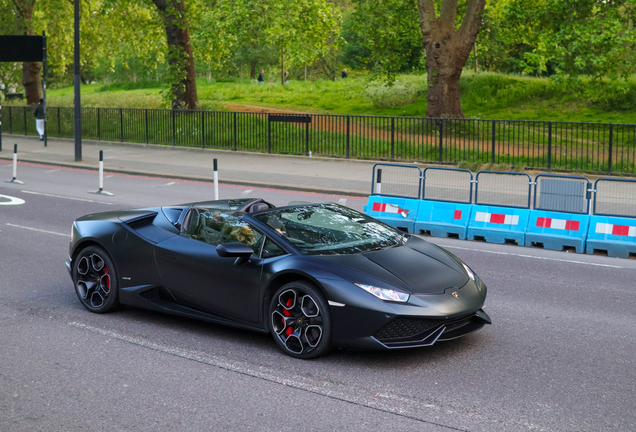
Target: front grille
454 326
404 328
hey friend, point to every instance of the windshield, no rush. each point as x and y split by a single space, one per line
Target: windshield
330 229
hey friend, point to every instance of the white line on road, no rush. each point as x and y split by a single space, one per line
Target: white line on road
108 176
51 171
534 257
417 410
246 192
342 201
65 197
38 230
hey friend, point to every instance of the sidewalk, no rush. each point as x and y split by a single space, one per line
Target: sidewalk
316 174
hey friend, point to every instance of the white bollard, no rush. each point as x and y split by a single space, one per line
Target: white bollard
378 183
101 190
15 167
216 180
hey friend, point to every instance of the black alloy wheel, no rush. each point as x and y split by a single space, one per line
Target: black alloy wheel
300 320
95 280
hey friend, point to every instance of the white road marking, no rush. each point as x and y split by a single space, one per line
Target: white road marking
9 165
246 192
12 200
108 176
51 171
342 201
534 257
66 197
38 230
417 409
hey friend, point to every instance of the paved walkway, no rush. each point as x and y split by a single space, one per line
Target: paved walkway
316 174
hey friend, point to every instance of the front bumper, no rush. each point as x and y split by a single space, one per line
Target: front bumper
362 321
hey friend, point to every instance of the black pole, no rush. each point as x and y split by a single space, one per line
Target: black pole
77 112
44 84
0 120
609 157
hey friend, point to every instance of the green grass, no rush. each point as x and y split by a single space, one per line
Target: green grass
484 96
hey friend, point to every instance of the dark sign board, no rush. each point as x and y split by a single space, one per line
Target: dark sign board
290 118
21 48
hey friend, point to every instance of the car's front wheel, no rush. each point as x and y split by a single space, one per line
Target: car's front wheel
95 280
300 320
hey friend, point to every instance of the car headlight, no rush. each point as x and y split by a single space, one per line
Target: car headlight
469 272
385 294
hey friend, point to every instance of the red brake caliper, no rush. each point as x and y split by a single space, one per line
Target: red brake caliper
289 330
107 280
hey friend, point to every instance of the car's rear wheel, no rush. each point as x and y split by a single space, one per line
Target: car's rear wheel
95 280
300 320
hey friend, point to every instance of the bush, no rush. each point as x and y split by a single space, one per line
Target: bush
387 95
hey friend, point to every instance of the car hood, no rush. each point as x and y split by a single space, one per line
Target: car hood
418 267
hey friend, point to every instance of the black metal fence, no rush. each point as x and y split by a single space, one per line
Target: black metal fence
568 146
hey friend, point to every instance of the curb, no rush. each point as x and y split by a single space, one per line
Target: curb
195 178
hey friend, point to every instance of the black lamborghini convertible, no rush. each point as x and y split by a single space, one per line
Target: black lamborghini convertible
314 275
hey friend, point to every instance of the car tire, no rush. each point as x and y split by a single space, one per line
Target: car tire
95 280
300 320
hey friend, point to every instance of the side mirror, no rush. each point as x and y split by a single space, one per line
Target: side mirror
235 250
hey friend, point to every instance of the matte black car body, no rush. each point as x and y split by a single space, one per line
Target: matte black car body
158 268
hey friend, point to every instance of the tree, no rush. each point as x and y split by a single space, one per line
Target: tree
447 48
577 37
31 79
180 59
300 31
384 36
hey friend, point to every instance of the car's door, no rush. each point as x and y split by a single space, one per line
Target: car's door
197 276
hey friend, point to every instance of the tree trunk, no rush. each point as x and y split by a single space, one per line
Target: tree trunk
30 70
447 50
180 58
282 65
253 70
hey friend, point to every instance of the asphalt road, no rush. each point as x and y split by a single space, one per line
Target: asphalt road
559 356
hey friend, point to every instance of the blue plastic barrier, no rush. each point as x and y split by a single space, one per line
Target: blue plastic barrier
442 218
399 213
556 231
498 224
615 235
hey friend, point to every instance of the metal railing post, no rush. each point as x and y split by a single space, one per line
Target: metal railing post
147 128
99 129
306 139
441 138
609 157
202 129
348 130
492 157
121 124
235 132
269 135
11 120
25 124
174 129
59 123
392 138
549 145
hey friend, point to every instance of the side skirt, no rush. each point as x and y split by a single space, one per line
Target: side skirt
149 297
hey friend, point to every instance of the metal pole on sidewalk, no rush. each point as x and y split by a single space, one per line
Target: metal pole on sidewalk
216 180
44 85
0 121
15 166
77 103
